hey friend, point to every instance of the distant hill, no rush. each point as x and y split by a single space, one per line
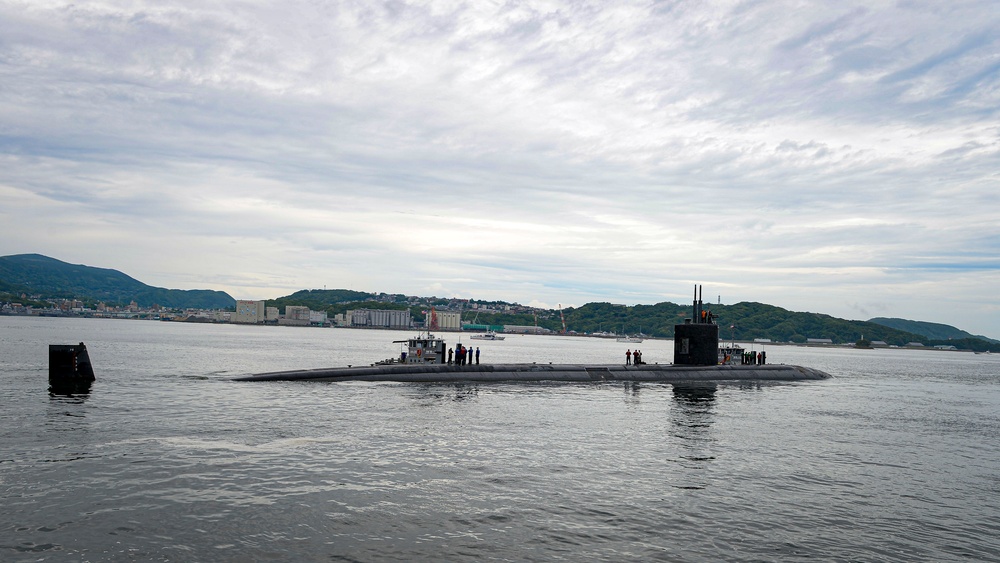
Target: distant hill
934 331
321 299
35 274
742 321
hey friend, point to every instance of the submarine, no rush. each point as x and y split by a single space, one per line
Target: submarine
697 358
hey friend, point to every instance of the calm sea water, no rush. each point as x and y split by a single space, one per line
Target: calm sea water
895 459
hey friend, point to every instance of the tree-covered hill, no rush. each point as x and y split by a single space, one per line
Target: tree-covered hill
51 278
742 321
934 331
321 299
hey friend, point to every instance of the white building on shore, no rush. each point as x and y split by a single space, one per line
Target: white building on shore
295 315
248 312
317 318
380 318
446 320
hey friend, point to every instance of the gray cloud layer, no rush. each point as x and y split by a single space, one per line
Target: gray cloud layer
838 157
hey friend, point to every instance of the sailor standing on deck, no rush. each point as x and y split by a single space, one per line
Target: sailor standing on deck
477 355
628 357
450 352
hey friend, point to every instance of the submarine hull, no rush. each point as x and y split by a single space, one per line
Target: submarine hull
437 373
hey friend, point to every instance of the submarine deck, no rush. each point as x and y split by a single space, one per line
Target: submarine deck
443 373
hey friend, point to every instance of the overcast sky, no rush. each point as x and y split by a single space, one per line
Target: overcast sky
833 157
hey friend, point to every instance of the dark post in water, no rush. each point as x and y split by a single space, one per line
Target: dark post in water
70 363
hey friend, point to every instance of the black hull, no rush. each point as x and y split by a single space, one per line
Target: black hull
437 373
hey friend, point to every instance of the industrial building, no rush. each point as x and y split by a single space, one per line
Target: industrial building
380 318
249 312
446 320
296 315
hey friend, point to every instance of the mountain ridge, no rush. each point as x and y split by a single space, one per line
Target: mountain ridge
937 331
40 274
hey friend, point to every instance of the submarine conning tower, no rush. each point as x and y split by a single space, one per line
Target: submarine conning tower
696 342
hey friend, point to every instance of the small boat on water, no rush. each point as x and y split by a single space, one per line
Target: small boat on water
488 335
630 339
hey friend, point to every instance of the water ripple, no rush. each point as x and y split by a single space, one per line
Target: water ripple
895 460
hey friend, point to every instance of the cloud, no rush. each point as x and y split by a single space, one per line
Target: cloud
531 151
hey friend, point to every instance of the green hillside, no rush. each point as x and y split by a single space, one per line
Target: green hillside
320 299
35 274
934 331
742 321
